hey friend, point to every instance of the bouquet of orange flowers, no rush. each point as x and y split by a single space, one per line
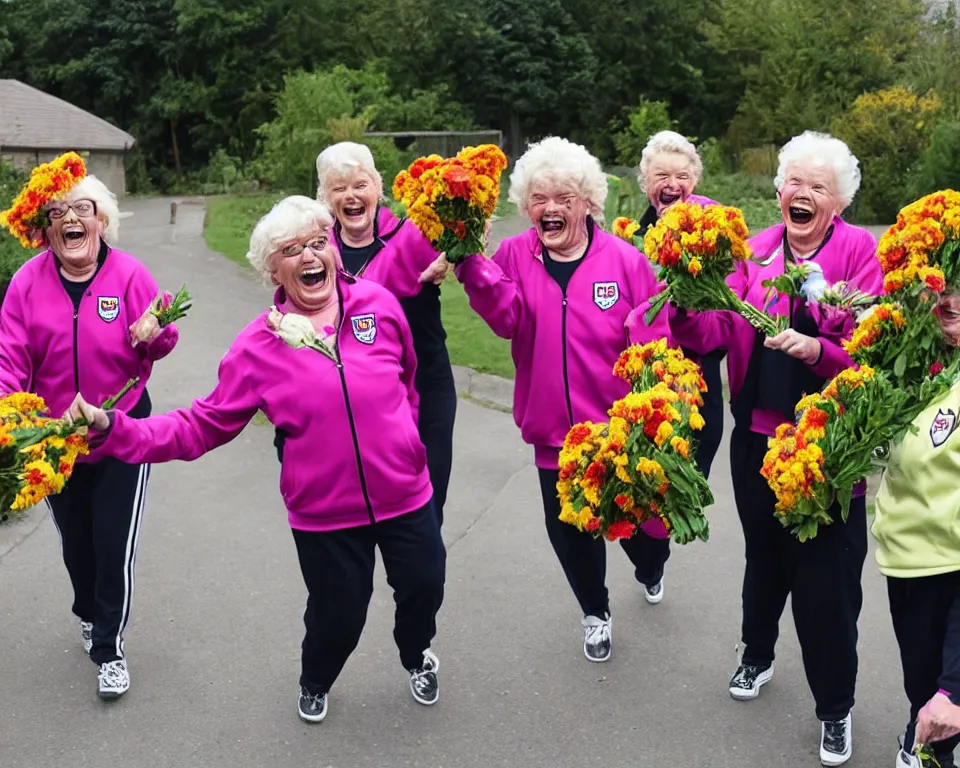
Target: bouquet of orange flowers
919 257
697 248
842 435
26 218
450 200
639 469
37 453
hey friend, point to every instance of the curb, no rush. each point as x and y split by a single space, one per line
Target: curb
485 388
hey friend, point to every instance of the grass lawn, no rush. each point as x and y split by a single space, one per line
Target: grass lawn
230 220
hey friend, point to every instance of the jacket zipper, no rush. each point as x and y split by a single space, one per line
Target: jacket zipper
76 343
353 426
566 378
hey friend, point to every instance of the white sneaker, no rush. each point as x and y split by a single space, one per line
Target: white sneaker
906 760
836 741
114 679
86 632
597 638
654 594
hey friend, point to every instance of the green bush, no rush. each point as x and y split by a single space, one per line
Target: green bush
12 254
643 121
888 131
940 163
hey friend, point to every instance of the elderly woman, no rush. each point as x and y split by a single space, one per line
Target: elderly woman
816 180
562 292
350 395
376 245
918 550
670 169
77 318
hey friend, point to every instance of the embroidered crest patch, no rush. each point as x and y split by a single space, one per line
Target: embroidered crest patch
942 427
364 328
605 295
108 307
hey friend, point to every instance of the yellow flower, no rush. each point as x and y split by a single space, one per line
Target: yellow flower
663 433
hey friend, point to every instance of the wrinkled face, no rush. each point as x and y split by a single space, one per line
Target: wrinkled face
559 215
809 200
306 267
352 198
670 179
948 313
75 230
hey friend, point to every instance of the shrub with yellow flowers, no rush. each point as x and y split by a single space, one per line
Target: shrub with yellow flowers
450 200
640 467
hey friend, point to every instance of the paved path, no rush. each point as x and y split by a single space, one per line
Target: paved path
214 643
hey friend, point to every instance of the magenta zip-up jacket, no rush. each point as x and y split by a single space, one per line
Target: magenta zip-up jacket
352 455
406 253
849 255
564 346
47 349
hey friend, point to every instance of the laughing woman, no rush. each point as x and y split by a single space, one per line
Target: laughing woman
354 476
376 245
76 318
670 169
816 180
562 292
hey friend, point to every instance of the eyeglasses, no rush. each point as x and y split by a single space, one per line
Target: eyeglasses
83 208
316 244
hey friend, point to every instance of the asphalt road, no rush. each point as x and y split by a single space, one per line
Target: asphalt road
214 643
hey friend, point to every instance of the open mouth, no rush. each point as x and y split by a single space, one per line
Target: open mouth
313 277
551 226
354 211
669 198
74 237
800 214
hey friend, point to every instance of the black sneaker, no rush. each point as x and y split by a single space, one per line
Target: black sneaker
836 741
423 681
748 679
312 707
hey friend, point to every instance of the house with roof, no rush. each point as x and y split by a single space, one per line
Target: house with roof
36 127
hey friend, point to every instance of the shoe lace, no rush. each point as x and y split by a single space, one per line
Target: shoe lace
424 676
597 633
113 673
746 674
313 699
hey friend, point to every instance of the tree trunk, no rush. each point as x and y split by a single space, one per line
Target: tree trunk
176 150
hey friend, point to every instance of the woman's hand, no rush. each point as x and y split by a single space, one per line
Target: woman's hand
938 720
804 348
436 273
80 409
146 329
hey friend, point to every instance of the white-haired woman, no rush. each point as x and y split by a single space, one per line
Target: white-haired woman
816 180
369 490
376 245
562 292
76 318
670 169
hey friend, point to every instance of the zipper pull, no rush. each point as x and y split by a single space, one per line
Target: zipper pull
564 304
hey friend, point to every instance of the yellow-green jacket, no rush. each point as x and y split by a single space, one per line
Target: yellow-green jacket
917 523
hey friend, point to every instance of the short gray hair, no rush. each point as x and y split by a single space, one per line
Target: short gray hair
564 163
668 141
824 149
287 220
339 159
108 209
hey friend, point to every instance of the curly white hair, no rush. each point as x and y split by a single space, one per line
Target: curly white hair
293 217
562 163
822 148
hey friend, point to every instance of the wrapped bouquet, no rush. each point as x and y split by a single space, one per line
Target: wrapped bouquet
639 469
450 200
